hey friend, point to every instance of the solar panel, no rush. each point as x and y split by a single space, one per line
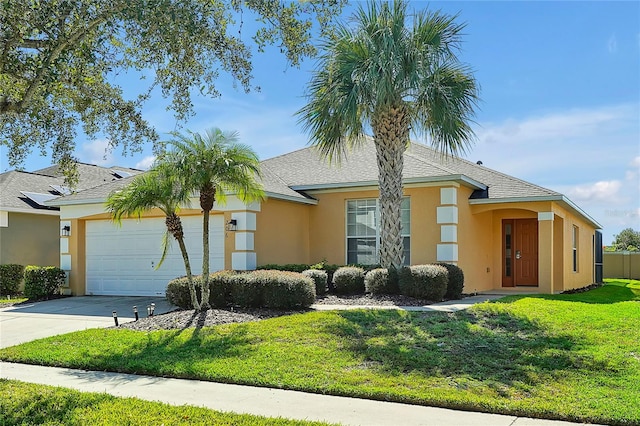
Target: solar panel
60 189
121 173
38 198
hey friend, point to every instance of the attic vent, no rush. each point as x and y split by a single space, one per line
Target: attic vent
121 174
479 163
60 189
38 198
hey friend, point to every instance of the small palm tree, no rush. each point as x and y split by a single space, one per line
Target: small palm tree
158 188
395 79
214 163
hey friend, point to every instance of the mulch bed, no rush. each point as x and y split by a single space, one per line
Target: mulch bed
181 319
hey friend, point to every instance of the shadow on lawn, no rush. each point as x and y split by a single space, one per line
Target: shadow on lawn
499 349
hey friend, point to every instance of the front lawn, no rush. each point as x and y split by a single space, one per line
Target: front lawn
25 403
573 357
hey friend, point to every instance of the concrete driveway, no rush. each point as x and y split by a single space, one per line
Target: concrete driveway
26 322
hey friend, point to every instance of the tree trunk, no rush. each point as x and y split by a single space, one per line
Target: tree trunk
390 135
174 225
207 198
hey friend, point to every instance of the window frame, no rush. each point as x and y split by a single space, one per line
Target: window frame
405 233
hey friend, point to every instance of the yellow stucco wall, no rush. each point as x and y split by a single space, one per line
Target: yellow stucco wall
30 239
476 242
282 233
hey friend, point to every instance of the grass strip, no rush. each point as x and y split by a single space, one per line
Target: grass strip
30 404
574 357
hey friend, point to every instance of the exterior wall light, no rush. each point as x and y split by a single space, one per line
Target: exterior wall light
66 231
232 225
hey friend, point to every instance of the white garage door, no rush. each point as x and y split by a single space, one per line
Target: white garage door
121 260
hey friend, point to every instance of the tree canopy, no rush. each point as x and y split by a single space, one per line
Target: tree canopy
59 60
627 239
395 73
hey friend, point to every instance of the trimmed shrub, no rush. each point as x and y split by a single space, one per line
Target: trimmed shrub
319 278
349 280
292 267
10 278
424 282
256 289
381 281
455 283
282 289
42 282
178 294
220 285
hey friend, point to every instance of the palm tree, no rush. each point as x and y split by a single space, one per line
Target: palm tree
380 74
158 188
214 163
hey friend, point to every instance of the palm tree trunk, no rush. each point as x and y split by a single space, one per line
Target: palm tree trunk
390 134
187 267
174 225
205 261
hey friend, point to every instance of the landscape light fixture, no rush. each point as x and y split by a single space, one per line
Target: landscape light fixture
135 312
115 317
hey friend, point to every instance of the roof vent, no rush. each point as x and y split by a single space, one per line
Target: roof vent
479 163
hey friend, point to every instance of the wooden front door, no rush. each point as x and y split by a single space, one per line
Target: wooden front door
519 252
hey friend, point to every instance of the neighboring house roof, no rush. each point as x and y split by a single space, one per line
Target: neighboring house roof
14 183
28 191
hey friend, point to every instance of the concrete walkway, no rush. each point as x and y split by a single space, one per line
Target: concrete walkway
448 306
260 401
30 321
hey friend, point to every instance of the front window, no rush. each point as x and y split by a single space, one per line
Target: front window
363 234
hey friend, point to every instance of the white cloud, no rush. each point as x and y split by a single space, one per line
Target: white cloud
612 44
96 152
635 162
145 163
606 191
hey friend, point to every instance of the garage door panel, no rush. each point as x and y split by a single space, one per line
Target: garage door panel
121 260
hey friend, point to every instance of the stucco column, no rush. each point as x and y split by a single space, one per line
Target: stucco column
545 252
244 257
447 218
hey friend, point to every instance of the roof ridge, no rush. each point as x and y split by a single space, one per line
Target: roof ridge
287 153
276 175
429 162
472 164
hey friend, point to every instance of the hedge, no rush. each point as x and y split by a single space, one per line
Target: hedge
262 288
455 283
381 281
42 282
10 277
349 280
427 282
320 278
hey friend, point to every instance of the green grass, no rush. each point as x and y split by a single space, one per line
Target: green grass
30 404
4 301
573 357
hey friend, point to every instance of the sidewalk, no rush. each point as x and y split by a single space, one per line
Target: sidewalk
260 401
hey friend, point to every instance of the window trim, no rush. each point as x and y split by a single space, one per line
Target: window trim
404 233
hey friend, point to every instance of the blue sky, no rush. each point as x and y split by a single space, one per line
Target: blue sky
560 89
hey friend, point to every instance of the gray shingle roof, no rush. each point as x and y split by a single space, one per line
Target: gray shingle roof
40 181
305 168
11 183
